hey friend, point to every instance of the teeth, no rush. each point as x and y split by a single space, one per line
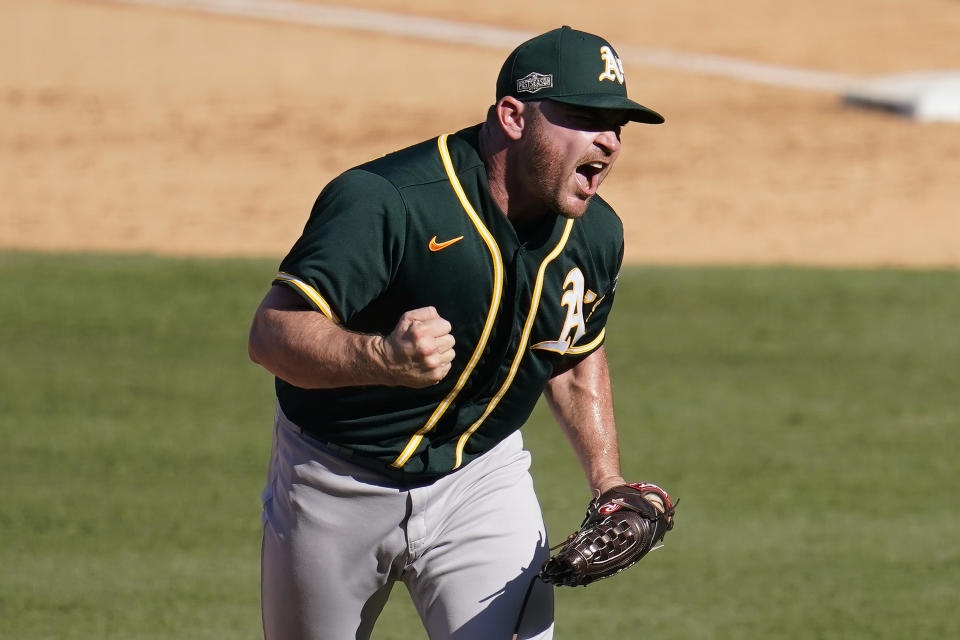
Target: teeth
595 165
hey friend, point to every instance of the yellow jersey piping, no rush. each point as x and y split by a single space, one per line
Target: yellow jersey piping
590 346
521 348
497 260
312 294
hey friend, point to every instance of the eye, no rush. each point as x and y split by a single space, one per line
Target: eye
601 121
592 122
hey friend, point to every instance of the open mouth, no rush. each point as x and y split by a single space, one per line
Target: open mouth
588 176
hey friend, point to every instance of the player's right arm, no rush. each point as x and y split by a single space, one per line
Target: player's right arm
302 346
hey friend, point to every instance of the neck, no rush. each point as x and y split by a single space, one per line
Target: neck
494 155
494 151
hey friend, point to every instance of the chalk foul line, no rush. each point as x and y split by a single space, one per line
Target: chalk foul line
478 35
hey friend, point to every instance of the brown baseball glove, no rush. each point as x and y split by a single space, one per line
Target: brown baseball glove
621 526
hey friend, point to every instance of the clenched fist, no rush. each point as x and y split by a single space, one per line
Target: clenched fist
419 350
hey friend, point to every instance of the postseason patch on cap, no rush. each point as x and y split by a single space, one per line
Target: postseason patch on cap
533 82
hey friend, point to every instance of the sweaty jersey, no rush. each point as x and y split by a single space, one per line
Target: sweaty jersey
419 228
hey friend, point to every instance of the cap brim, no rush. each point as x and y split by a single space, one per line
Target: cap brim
635 112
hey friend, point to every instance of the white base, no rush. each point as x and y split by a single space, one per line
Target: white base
928 96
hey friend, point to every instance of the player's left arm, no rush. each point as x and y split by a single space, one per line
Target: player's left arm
582 403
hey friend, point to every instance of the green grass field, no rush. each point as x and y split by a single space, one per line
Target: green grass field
809 421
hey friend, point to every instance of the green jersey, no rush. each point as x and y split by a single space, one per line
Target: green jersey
419 228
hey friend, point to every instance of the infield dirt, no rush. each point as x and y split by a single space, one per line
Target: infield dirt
140 129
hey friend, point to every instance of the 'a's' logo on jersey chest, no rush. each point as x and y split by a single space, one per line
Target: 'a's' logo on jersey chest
573 296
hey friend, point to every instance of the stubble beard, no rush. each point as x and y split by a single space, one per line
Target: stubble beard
550 182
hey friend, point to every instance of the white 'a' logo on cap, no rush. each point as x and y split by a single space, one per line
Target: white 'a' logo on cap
614 70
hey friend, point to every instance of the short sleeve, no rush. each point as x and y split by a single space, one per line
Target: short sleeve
597 310
350 246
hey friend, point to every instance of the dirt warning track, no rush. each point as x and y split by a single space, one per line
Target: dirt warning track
137 128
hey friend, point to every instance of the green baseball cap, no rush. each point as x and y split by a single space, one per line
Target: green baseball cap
573 67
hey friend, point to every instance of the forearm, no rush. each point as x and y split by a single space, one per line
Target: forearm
302 346
582 403
308 350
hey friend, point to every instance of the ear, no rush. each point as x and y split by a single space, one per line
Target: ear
510 116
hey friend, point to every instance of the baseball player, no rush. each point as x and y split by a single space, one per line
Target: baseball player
434 294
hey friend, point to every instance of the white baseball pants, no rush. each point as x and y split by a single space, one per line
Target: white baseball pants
337 536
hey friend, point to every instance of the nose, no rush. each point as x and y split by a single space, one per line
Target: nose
608 141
